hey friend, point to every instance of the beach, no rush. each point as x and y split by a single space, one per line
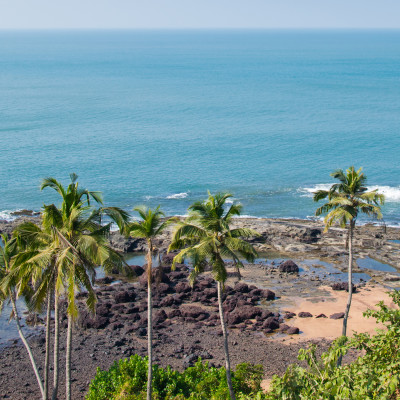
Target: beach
186 319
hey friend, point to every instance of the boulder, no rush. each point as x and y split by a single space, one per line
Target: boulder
137 270
321 316
182 287
293 331
241 287
124 296
289 267
193 312
338 315
342 286
271 323
305 314
268 294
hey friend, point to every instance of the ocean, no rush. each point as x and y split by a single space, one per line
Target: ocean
160 117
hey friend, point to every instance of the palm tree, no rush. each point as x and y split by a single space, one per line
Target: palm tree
205 236
80 245
64 252
7 291
150 226
346 200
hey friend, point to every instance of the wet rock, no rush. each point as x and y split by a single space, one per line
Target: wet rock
289 315
321 316
293 331
283 327
105 281
289 267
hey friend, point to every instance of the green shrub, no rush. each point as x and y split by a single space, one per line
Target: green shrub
373 375
126 380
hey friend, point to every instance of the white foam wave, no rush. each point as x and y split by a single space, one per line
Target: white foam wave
392 194
7 216
182 195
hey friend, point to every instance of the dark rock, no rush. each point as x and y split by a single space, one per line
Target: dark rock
160 316
158 275
293 331
182 287
342 286
305 314
338 315
105 281
321 316
137 270
241 287
271 323
283 327
193 312
268 294
289 267
124 296
289 315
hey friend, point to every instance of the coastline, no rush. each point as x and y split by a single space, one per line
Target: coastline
178 338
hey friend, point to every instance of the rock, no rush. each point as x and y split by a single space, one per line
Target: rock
159 317
182 287
338 315
289 315
158 275
342 286
124 296
137 270
268 294
193 312
241 287
304 314
105 281
321 316
293 331
283 327
210 293
271 323
289 267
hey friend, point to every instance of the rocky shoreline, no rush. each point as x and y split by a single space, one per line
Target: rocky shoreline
186 319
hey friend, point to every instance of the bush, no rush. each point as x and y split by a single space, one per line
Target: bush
374 375
127 379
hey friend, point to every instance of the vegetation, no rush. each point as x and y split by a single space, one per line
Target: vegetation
205 237
373 375
126 379
150 226
346 200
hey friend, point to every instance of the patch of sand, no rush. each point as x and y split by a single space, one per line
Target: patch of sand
316 328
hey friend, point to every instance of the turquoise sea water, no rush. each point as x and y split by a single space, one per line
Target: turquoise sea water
160 117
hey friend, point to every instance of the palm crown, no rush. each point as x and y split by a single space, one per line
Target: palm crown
348 198
206 236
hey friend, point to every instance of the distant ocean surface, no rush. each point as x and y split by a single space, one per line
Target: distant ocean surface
160 117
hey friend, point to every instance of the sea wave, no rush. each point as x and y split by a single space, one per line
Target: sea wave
182 195
6 215
392 194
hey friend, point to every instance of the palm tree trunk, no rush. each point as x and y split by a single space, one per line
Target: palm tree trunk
149 321
68 360
350 285
56 345
47 356
24 341
226 349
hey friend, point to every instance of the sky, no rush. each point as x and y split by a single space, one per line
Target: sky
199 14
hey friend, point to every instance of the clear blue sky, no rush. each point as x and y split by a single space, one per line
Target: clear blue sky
176 14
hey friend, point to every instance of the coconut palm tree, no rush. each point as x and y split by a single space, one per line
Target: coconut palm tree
346 200
151 225
7 292
80 245
206 237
